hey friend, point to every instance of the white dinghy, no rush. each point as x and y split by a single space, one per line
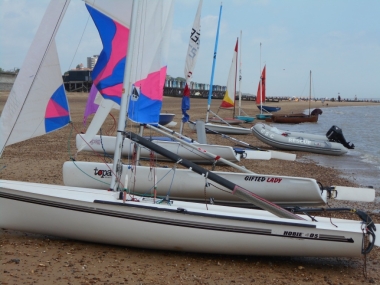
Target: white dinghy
114 217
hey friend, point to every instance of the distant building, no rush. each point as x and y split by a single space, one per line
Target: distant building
6 80
78 80
91 61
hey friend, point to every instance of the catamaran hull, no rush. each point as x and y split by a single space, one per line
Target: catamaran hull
224 129
277 139
99 216
107 144
184 184
230 121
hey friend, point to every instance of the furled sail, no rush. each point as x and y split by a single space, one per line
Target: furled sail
37 103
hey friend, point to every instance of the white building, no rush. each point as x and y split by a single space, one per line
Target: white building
91 61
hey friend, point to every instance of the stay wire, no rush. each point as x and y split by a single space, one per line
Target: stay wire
80 41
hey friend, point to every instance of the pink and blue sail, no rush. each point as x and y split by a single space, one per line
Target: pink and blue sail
146 98
108 73
57 113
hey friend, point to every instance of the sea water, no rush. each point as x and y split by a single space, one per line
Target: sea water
360 126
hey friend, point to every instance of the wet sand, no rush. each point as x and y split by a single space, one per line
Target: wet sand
28 258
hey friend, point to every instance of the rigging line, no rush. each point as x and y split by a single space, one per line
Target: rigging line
80 40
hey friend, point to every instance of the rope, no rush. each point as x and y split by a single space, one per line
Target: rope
331 218
113 127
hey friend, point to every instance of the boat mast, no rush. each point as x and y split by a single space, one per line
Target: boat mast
261 86
236 65
117 165
310 94
240 73
213 66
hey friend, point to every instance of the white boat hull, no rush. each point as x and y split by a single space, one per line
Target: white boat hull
276 138
225 129
107 144
187 185
99 216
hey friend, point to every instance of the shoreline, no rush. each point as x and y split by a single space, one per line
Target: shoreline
28 258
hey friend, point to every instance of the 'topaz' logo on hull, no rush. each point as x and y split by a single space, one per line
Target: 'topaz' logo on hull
103 173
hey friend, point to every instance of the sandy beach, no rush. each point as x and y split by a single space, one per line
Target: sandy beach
28 258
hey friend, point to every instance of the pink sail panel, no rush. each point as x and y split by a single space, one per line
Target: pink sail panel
153 85
148 103
261 88
54 110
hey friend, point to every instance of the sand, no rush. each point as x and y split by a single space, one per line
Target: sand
37 259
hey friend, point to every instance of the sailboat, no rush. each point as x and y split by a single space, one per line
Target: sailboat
96 175
105 144
229 98
260 98
241 114
115 217
191 59
312 117
225 128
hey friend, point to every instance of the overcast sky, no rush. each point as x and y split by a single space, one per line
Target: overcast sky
338 40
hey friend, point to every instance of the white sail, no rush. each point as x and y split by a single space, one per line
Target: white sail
192 50
149 60
191 59
37 103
